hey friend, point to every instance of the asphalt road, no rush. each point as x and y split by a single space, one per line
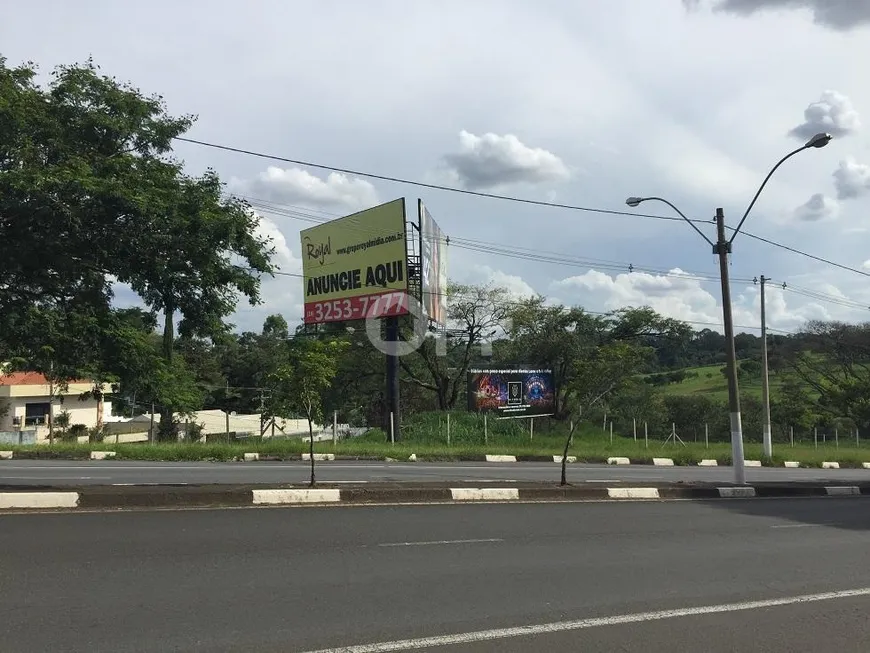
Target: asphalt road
304 579
59 472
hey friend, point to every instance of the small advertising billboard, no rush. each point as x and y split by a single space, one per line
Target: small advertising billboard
433 255
356 267
512 392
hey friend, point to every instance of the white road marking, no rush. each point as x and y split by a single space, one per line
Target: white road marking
581 624
610 480
438 542
795 525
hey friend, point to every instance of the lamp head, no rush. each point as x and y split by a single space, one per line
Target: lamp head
819 140
633 201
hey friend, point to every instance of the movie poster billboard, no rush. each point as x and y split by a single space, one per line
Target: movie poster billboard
356 267
433 258
512 392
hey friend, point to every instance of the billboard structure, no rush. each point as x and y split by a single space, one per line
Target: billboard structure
433 260
356 267
512 392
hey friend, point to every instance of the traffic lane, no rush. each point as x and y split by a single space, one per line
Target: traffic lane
36 472
309 578
840 625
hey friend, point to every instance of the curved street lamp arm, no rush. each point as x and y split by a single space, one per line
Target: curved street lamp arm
761 188
691 224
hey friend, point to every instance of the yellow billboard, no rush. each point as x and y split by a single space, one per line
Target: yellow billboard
356 267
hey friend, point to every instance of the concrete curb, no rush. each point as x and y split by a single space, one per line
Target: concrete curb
116 497
499 458
491 458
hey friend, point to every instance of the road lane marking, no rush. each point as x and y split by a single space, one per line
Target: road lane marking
441 542
581 624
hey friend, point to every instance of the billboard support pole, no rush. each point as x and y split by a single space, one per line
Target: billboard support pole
531 428
485 433
392 336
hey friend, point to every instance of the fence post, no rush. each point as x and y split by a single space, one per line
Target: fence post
816 437
645 436
634 427
531 428
837 438
791 435
448 429
604 425
857 437
393 428
334 427
706 436
485 430
611 432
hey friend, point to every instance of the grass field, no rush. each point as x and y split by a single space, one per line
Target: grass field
426 437
711 382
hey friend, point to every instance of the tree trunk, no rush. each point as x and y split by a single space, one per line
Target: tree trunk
164 430
311 449
564 480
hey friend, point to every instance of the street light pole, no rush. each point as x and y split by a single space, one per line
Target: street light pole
722 248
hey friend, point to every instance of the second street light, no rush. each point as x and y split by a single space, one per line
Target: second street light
722 247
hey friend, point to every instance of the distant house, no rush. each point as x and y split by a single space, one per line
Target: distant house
28 395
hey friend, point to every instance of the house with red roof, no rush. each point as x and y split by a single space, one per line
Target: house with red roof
27 399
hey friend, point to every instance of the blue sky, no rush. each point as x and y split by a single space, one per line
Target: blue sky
577 103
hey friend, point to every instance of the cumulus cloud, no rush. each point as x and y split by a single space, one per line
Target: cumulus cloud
851 179
832 113
490 161
818 207
513 283
298 186
840 15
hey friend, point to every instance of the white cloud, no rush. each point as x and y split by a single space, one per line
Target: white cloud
687 298
818 207
298 186
841 15
492 161
852 179
832 113
866 264
514 284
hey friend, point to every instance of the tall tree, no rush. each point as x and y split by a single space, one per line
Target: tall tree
76 159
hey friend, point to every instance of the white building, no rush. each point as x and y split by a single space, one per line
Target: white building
28 396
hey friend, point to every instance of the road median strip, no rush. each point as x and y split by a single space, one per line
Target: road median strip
191 496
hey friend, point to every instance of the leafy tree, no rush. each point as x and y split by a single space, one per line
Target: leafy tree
76 161
836 364
298 386
690 412
475 313
89 195
792 407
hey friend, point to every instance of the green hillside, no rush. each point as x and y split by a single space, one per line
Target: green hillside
710 380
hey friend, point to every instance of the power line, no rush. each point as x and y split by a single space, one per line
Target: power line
516 252
422 184
464 191
548 256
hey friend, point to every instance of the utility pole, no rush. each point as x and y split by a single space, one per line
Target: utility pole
723 248
765 379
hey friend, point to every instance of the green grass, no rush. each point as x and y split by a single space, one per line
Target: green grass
426 436
711 382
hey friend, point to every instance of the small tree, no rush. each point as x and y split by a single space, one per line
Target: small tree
299 384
